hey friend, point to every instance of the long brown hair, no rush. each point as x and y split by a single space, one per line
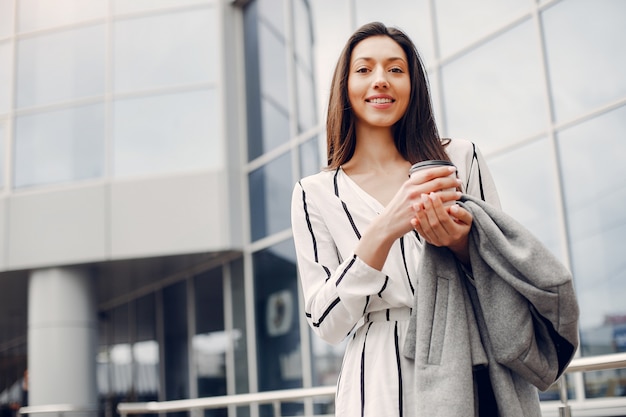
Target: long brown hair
415 134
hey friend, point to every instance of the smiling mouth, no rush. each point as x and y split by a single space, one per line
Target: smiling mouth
380 100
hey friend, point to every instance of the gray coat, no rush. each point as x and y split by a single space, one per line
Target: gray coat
515 315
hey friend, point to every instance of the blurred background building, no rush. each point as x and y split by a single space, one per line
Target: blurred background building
148 149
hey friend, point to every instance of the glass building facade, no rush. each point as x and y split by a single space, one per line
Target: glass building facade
148 150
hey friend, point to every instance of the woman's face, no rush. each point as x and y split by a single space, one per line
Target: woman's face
379 85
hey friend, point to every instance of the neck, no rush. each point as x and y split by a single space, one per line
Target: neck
375 150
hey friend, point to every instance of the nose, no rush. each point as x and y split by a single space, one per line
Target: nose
380 79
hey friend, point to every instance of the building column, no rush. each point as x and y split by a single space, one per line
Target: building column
62 337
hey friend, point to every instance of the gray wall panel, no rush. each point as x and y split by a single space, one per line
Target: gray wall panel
169 216
58 227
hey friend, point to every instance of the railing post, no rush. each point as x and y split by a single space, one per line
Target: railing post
277 411
564 409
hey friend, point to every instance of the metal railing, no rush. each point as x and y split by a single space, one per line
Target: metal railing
276 398
593 363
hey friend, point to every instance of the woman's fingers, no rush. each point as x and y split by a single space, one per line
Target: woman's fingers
438 224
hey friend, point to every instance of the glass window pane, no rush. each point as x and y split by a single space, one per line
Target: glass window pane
531 195
210 341
277 309
310 157
460 23
59 146
303 35
412 16
270 195
273 66
131 6
39 14
175 342
6 18
274 130
273 12
494 95
146 350
307 108
586 54
177 48
5 77
2 145
594 174
169 133
60 66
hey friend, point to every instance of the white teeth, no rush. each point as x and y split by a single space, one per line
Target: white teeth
380 100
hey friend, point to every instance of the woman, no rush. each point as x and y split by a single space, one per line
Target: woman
359 226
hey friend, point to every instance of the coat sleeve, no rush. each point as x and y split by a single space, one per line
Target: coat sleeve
336 291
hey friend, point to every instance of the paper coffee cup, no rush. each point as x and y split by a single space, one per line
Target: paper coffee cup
433 164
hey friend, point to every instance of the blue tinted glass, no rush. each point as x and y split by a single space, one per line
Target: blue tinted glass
460 23
586 54
59 146
61 66
278 311
273 12
6 18
495 95
168 133
270 197
5 77
303 33
310 157
40 14
594 173
162 50
307 108
412 16
531 195
2 136
275 124
273 66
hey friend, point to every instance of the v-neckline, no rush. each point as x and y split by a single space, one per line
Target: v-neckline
369 199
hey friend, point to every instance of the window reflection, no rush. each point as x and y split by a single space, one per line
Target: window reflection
460 23
585 53
59 146
2 145
40 14
60 66
307 108
6 18
273 66
168 133
595 189
531 195
414 19
310 157
272 12
270 195
277 309
210 342
275 122
131 6
163 50
5 76
494 95
303 33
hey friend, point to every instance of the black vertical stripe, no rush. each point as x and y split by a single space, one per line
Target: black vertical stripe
363 372
480 176
406 268
380 293
345 207
400 393
310 227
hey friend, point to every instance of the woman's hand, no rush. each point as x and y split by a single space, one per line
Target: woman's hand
443 226
397 218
